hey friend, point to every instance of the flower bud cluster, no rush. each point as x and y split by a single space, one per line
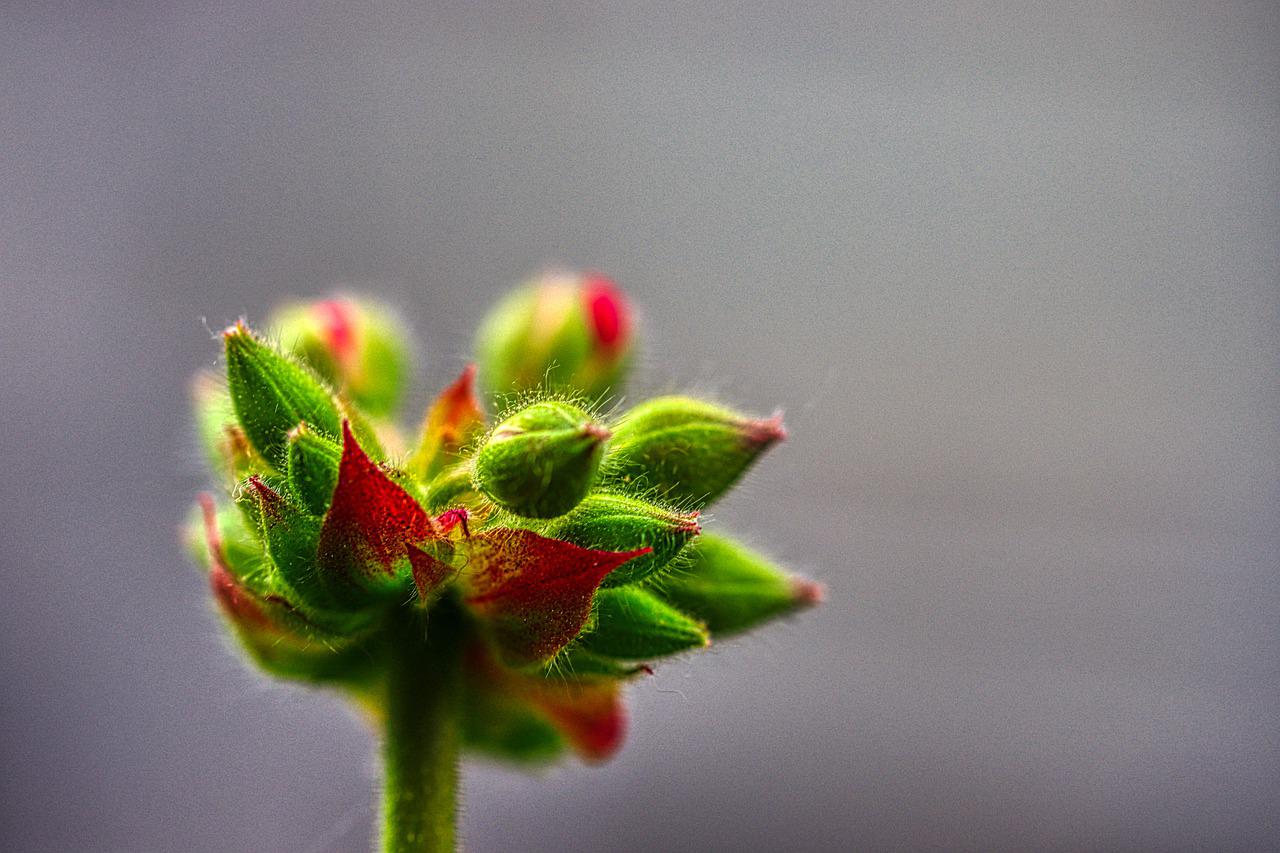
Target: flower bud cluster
567 547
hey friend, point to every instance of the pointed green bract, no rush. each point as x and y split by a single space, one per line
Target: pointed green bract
541 461
632 624
620 523
686 451
312 468
272 394
732 589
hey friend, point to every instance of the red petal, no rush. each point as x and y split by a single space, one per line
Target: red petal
452 420
371 518
240 605
591 715
337 319
607 307
535 592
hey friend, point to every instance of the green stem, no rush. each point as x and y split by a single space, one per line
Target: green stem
420 750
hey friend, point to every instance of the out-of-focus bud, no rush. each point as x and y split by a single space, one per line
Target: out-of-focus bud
226 446
632 624
619 523
453 420
272 394
686 451
732 589
541 461
560 331
357 346
312 468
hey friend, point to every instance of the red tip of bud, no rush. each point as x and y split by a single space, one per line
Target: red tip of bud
765 431
807 593
689 523
337 319
608 311
236 329
594 430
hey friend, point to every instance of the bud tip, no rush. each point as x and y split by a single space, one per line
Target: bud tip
765 431
807 593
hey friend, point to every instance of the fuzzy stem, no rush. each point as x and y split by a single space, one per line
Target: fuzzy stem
420 749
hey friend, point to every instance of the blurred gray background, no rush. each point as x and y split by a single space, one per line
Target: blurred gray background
1011 271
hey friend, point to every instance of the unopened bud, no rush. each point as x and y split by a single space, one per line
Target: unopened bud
732 588
632 624
541 461
272 394
355 345
561 331
686 451
619 523
312 468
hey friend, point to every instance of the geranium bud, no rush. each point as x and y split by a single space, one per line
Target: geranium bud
732 588
561 331
272 394
312 468
453 487
686 451
453 420
541 461
619 523
632 624
355 345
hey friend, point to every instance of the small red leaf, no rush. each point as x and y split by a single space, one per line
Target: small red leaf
239 604
534 592
452 420
589 713
429 572
371 518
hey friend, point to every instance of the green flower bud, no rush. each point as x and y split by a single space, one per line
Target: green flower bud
272 394
541 461
292 539
619 523
557 332
732 588
356 346
312 467
451 488
632 624
686 451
